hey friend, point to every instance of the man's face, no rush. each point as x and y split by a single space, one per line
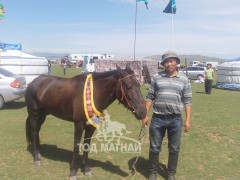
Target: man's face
170 64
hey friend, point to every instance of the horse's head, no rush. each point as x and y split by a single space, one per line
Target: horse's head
129 94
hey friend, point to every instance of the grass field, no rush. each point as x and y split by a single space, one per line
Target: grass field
209 151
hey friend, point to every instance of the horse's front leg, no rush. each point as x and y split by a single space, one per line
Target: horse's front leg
86 148
78 130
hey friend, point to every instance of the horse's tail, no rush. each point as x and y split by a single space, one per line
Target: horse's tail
30 105
28 131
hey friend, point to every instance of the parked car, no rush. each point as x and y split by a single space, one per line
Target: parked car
194 72
12 86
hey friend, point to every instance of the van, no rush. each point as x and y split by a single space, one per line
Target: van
194 63
88 64
194 72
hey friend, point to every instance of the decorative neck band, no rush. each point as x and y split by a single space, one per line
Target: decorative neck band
92 114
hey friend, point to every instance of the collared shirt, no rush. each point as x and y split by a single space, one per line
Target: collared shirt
169 94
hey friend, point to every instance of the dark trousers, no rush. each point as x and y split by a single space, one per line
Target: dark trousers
208 86
158 128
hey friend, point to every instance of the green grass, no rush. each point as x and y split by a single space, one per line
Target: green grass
209 151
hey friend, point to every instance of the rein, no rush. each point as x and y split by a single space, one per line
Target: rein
141 138
120 86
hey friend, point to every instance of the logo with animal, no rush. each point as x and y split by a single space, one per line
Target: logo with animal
111 130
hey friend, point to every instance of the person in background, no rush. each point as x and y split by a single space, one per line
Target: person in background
169 93
64 66
49 67
208 77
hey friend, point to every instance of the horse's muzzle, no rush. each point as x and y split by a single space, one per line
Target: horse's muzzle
141 114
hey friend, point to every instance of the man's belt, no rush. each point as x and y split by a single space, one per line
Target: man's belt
166 116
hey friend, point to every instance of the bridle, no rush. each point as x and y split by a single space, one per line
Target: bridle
120 87
143 130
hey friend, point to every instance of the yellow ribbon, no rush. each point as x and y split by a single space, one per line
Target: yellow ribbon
94 110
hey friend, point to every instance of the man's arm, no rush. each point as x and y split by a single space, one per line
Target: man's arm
188 118
148 107
213 75
204 75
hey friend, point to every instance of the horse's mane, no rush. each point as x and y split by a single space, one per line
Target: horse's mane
99 75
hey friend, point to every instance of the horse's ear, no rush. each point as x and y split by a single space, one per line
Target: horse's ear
118 68
128 67
120 71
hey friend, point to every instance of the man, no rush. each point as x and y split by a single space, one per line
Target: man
208 77
49 67
64 66
169 93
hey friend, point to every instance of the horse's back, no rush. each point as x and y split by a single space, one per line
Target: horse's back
54 95
32 88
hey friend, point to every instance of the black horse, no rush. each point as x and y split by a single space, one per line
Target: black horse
63 98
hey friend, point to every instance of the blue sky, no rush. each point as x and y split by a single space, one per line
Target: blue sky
205 27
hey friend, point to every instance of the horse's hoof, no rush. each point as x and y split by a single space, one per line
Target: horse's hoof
37 163
89 174
73 178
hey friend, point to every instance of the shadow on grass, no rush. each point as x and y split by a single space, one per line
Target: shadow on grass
142 167
58 154
14 105
199 92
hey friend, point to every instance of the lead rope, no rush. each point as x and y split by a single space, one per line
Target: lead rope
141 137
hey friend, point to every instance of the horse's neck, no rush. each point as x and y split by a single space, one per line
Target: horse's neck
106 92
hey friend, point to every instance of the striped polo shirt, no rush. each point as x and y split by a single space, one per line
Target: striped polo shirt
169 94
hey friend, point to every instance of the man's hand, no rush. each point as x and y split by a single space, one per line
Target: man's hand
145 121
188 118
186 126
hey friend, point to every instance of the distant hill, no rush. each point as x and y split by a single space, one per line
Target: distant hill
191 58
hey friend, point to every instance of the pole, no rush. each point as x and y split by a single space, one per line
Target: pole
135 33
0 57
186 66
21 61
0 52
172 26
172 31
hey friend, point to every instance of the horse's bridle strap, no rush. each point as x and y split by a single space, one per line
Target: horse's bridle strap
121 79
122 91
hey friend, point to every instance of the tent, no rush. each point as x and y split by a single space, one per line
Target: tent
22 63
228 75
136 65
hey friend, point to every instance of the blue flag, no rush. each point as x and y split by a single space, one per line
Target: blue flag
145 1
171 7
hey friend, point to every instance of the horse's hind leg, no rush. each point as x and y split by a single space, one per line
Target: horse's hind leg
87 140
78 130
31 133
33 124
41 118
